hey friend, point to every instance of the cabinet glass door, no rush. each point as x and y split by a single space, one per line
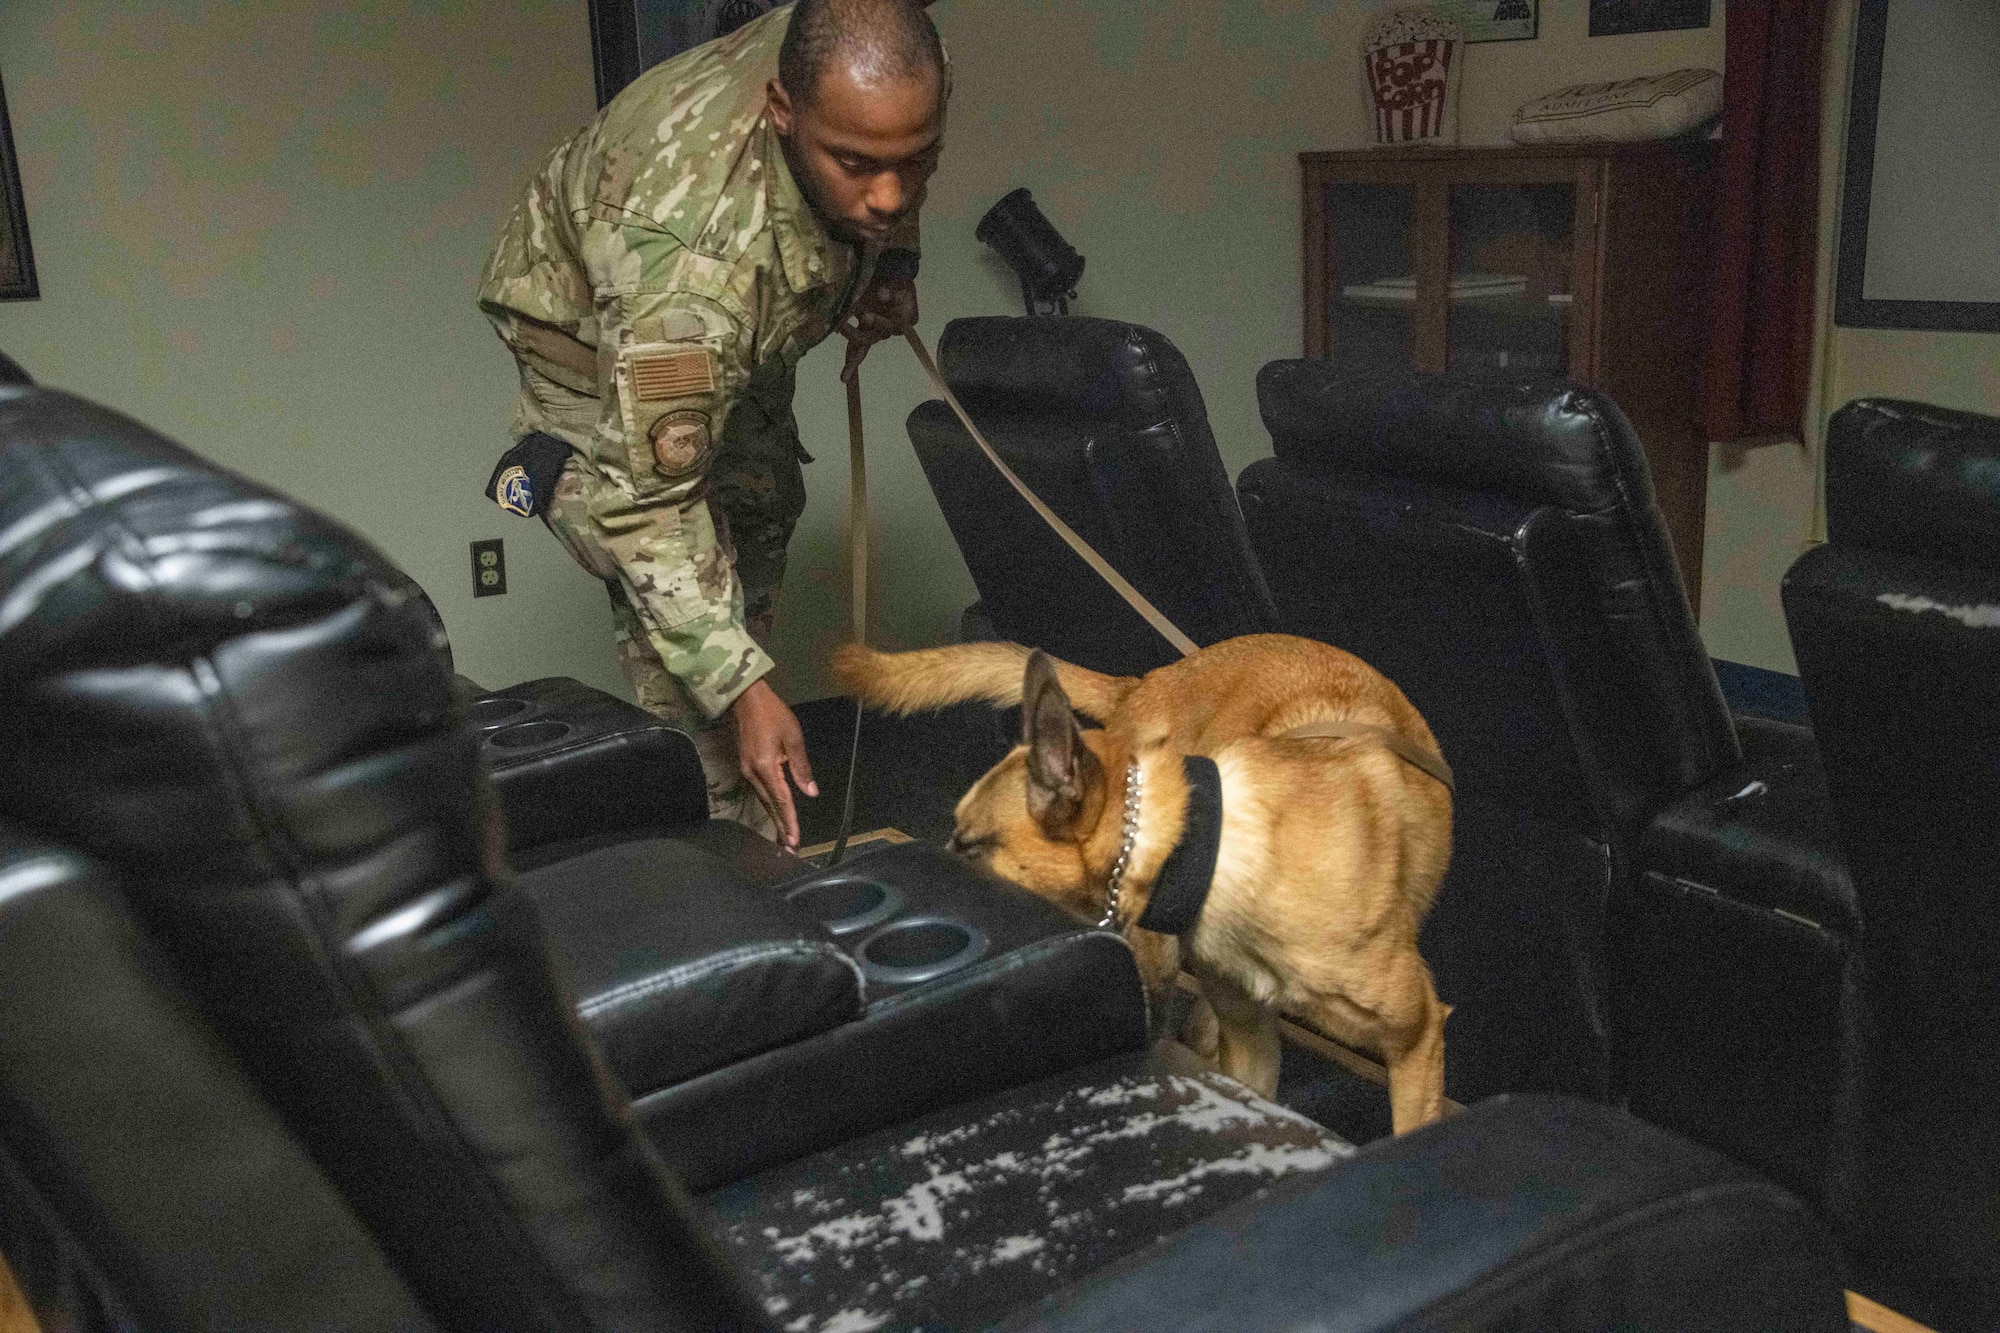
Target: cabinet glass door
1371 290
1513 265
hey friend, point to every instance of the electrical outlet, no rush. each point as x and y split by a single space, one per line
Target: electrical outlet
489 568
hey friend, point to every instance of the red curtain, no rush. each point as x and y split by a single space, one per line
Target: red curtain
1760 324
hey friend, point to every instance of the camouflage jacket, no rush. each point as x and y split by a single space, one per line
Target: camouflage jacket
662 265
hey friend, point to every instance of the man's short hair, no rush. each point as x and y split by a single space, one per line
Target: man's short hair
881 40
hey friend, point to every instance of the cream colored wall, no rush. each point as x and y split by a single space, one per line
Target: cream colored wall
257 228
1761 501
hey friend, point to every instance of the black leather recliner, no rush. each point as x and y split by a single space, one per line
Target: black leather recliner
1493 547
1500 558
669 924
1105 423
1896 626
282 1044
545 740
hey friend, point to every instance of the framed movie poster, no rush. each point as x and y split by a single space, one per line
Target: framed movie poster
1491 20
630 36
17 260
1612 18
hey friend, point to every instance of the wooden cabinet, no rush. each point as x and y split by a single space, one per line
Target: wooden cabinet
1579 261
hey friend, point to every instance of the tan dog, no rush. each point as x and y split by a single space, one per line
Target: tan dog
1330 853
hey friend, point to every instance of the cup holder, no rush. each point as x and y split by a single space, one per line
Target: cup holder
918 948
847 903
490 713
526 735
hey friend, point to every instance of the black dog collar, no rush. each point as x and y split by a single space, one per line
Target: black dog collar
1181 887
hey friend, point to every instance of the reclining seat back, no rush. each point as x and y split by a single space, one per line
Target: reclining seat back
1104 422
1896 625
1492 547
144 1182
279 777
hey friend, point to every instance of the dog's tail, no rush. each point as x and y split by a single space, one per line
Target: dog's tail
938 677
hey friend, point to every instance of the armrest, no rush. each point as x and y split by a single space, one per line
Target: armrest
1761 833
1733 999
682 964
1045 993
1524 1212
1029 1014
569 761
741 1025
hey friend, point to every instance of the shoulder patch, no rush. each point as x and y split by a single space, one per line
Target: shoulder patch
658 376
514 493
680 442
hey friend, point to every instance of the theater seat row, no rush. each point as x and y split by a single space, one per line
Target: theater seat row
286 1042
1651 902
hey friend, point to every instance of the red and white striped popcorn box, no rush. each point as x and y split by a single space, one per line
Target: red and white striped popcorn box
1410 63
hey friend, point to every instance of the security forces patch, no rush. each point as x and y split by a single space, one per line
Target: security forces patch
680 442
514 493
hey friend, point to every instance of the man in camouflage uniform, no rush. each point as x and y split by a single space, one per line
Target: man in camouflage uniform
658 281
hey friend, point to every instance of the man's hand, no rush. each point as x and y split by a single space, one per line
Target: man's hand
768 741
887 309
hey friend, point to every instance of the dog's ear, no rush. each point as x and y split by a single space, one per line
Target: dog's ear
1062 771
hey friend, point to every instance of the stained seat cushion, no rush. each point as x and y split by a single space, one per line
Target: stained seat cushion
1762 833
957 1218
683 964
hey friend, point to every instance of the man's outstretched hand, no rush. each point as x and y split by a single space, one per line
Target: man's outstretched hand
887 309
768 742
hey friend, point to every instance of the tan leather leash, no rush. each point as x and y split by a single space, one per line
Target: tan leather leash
857 545
1132 595
1424 760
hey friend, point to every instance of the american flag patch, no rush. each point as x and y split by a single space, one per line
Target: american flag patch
665 375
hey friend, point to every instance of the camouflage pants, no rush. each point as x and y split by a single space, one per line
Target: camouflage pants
730 795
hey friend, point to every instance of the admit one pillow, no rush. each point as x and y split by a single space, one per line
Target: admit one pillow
1659 106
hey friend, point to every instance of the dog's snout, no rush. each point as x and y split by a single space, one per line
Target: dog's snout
971 848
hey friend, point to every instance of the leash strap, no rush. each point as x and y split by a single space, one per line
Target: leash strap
1415 756
857 545
1132 595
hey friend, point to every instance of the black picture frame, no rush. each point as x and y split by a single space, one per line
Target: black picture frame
628 37
1851 308
1493 20
17 256
1616 18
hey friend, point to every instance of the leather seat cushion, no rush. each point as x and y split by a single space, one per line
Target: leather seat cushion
957 1218
683 964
